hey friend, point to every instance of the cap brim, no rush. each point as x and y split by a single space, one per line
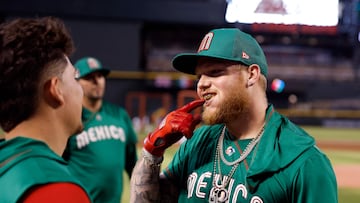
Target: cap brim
103 71
186 63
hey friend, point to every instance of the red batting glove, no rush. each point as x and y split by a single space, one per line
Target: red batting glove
176 124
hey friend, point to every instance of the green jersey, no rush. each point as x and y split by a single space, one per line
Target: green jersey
285 166
25 163
102 151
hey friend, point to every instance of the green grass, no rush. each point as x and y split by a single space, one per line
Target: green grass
346 195
343 156
331 134
349 195
2 134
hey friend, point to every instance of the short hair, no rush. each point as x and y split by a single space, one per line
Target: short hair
31 50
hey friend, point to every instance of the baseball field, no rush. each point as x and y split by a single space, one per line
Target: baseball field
343 149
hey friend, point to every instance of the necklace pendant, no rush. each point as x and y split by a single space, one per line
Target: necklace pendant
218 195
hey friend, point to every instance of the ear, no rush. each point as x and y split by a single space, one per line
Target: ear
254 74
53 93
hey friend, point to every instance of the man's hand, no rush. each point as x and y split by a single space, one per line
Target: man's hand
176 124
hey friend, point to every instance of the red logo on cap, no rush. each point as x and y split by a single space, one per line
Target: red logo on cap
205 43
245 56
93 63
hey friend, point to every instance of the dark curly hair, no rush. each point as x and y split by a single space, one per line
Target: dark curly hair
32 49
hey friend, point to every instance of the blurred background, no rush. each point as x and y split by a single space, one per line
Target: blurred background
312 47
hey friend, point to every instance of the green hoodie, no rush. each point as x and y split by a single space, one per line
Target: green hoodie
284 167
25 163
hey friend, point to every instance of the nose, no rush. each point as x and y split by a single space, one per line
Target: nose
203 83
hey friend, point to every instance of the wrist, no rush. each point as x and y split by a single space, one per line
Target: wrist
154 145
151 159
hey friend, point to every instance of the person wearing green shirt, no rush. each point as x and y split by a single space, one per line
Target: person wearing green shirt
246 151
106 147
40 108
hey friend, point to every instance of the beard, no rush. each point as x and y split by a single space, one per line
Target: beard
233 107
96 95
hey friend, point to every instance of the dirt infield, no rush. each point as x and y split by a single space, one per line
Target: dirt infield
341 145
347 175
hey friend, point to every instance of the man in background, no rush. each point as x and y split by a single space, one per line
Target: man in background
107 145
40 107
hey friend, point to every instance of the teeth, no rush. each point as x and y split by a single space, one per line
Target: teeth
207 97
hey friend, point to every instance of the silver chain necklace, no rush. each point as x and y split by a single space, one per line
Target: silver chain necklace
245 153
218 192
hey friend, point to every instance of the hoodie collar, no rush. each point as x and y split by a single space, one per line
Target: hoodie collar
281 144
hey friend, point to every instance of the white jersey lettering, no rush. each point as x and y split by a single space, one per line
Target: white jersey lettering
202 184
99 130
191 183
256 199
107 132
240 188
92 135
198 183
99 133
82 139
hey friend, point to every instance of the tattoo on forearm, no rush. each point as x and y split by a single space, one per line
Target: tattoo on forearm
145 183
148 185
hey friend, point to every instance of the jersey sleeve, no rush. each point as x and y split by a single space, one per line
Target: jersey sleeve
176 168
131 158
57 193
316 182
131 134
131 141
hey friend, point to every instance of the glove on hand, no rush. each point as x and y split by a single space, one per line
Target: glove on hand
176 124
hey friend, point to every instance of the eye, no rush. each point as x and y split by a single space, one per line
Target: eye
215 72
